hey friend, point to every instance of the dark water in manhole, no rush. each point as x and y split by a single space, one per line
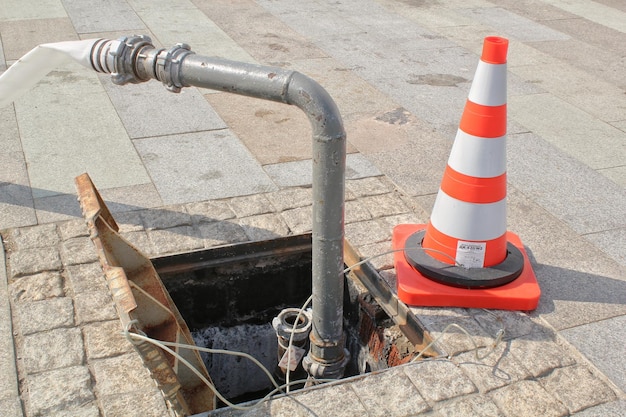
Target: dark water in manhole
230 305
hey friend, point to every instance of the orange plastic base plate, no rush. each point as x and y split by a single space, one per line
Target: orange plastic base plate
417 290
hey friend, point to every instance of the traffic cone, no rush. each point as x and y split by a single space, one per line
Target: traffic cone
464 256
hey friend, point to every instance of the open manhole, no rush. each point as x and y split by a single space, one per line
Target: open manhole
227 297
230 295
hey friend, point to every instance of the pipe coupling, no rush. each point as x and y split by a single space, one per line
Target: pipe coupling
167 66
119 58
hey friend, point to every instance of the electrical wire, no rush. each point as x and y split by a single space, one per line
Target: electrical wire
293 331
130 336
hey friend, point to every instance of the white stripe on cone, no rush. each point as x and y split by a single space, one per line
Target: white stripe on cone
468 221
478 157
489 85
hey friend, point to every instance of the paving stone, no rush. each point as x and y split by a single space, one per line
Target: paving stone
38 316
58 348
577 388
476 405
540 354
209 211
34 237
265 226
141 242
498 369
114 15
165 217
87 410
299 220
337 401
367 232
129 221
105 339
59 389
73 228
87 277
131 198
356 211
79 250
250 205
379 255
136 404
453 340
439 380
613 409
121 374
368 186
514 323
389 393
55 208
38 287
175 240
94 306
384 205
221 233
32 261
527 398
290 198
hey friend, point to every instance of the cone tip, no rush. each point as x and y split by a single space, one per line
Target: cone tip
495 50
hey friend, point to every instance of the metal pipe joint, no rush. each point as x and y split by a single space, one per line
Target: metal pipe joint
135 59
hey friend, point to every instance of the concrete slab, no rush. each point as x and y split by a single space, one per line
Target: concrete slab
580 88
148 109
19 10
273 132
534 10
57 208
299 173
612 242
596 12
16 206
542 167
21 36
201 166
512 25
131 198
174 25
102 17
602 343
68 127
572 133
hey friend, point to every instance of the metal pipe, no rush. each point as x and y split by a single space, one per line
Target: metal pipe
136 60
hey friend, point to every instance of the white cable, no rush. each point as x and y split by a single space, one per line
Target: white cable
163 345
293 331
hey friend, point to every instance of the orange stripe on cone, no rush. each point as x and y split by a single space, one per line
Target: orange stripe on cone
483 121
473 189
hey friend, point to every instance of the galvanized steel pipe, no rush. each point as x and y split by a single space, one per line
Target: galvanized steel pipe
136 60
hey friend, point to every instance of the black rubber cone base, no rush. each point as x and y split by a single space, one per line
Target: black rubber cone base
456 276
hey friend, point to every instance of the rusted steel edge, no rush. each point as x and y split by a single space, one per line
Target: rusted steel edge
181 400
369 277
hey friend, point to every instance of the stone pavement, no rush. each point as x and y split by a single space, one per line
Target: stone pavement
204 168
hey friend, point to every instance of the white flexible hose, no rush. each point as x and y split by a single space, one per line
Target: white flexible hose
32 67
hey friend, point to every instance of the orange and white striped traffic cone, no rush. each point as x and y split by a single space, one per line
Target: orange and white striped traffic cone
465 257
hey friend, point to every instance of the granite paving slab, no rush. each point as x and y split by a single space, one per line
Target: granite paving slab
102 17
20 10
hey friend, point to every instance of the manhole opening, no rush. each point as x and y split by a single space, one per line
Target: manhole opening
229 296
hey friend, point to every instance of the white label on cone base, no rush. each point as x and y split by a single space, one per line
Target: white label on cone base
471 254
296 355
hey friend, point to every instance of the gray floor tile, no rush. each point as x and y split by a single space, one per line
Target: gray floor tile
202 166
21 10
16 206
602 343
535 166
597 13
57 208
102 17
9 133
78 132
512 25
148 109
300 173
131 198
612 242
21 36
